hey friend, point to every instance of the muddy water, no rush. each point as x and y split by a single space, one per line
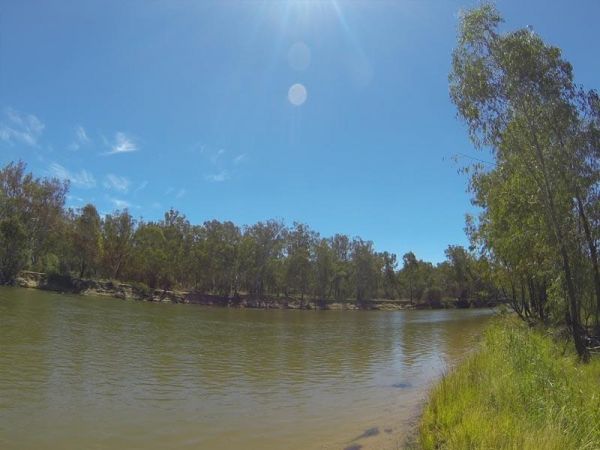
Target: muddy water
97 373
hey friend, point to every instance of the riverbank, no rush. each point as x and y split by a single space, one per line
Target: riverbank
523 389
140 292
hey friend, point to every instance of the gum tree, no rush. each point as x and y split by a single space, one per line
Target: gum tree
519 100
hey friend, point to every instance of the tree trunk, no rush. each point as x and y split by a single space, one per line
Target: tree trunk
593 254
575 320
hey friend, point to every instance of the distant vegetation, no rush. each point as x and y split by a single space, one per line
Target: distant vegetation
268 258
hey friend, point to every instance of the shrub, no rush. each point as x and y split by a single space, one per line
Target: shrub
433 296
141 289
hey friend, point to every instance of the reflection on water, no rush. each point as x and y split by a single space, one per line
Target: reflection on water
84 372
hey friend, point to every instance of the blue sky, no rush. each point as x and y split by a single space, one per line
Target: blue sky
189 104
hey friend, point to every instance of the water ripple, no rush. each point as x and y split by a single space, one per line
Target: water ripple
114 374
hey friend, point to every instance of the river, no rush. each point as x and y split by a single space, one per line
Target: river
100 373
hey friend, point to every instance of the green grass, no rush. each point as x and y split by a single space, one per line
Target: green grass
522 390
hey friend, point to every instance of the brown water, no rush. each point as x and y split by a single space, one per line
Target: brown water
99 373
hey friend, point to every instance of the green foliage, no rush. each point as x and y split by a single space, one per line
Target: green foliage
410 272
324 270
389 281
13 249
539 198
117 242
141 289
300 243
150 260
367 269
433 297
522 389
50 263
87 240
264 259
31 212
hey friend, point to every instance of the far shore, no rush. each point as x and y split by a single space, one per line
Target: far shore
133 291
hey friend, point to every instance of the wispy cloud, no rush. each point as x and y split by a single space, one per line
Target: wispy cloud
82 179
75 200
222 165
214 158
141 186
239 159
20 128
221 176
178 192
198 147
120 203
80 139
122 144
116 183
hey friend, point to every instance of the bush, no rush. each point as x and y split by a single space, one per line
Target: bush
13 249
433 296
141 289
49 263
60 281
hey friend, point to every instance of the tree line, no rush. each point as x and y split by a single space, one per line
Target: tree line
38 233
539 193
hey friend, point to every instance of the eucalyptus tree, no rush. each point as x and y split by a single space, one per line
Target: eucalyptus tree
13 249
409 273
15 246
510 231
150 260
389 282
324 270
341 249
87 243
519 100
461 278
262 251
37 204
299 241
37 232
220 243
367 267
43 209
178 244
118 230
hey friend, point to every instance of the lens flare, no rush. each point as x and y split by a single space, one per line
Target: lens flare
297 94
299 56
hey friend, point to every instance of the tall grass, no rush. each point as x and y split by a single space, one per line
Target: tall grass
522 390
